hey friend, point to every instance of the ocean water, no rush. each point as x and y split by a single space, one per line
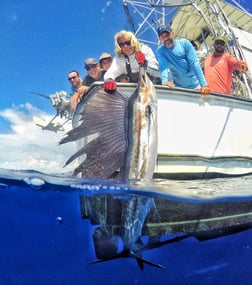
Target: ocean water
50 230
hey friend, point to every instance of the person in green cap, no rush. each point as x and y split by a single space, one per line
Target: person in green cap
219 65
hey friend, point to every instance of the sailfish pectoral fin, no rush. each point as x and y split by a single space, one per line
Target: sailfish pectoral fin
140 261
99 128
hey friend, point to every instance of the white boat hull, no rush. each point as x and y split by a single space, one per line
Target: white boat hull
201 135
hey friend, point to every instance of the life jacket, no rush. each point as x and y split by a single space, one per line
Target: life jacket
153 74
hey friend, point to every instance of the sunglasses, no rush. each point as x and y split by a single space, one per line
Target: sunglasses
71 78
90 66
219 43
126 43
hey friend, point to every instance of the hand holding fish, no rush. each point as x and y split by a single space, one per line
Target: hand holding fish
77 96
75 100
109 85
140 57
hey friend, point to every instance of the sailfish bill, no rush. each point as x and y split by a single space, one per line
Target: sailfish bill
116 133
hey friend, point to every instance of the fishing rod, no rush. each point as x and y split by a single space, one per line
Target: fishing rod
40 94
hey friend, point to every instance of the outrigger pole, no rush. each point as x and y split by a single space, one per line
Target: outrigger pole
127 12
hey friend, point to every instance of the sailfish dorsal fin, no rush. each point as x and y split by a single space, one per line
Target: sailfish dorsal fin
99 127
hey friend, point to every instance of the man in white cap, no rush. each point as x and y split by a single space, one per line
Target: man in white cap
105 60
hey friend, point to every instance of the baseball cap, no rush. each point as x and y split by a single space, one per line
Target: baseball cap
162 29
221 38
89 61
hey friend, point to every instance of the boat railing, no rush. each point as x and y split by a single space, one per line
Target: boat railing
168 92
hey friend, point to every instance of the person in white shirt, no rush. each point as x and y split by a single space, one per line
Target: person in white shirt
130 54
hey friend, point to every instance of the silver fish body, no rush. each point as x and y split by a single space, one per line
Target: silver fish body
132 216
141 155
134 213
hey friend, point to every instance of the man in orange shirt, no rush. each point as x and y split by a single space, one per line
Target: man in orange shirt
219 65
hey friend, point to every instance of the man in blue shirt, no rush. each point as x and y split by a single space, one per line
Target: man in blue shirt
180 57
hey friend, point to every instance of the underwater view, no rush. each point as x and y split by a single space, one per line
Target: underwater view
55 229
134 182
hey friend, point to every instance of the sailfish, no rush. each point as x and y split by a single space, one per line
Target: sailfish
134 210
116 134
117 138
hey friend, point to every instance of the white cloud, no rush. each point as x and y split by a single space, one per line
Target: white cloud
108 3
30 147
13 17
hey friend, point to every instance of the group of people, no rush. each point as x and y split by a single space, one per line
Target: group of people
95 72
180 57
176 55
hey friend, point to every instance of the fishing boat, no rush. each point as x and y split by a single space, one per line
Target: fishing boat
200 136
203 220
160 220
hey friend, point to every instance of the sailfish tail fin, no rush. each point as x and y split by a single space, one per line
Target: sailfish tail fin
125 254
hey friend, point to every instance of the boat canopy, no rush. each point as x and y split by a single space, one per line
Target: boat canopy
203 18
197 20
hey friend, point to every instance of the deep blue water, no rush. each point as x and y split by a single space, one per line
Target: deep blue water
45 240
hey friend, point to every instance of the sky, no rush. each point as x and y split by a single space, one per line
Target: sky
41 41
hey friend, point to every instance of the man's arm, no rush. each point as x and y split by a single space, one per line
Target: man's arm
193 61
115 69
163 66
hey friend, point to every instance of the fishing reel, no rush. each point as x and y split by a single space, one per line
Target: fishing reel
61 104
